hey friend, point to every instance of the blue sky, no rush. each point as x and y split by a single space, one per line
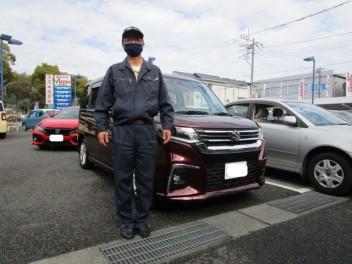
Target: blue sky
203 36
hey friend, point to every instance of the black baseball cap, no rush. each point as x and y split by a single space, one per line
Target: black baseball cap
130 30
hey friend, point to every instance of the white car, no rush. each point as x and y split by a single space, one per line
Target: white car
303 138
3 121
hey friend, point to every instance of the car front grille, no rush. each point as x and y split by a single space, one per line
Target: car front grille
228 137
216 179
60 131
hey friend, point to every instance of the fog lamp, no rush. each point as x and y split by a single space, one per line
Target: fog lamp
179 179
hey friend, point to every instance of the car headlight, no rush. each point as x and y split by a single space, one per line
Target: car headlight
39 128
185 134
260 133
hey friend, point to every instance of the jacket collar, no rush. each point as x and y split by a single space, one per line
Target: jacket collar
124 64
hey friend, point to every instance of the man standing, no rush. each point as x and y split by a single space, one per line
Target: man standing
135 92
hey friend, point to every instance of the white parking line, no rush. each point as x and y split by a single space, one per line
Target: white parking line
289 187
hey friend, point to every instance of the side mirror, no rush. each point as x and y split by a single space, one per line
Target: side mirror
290 120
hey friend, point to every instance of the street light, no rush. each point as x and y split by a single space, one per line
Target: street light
10 40
312 59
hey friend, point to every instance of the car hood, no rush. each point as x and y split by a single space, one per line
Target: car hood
212 121
61 123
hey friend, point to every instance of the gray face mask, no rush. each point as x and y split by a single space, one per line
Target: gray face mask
133 49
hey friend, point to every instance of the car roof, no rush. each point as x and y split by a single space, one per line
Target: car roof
263 100
92 83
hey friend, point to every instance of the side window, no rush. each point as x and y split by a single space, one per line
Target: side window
278 115
238 110
269 113
93 97
39 113
261 113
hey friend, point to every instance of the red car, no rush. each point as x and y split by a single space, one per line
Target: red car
60 130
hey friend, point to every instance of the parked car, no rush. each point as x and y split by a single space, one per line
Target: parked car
60 130
210 154
35 116
3 121
344 114
305 139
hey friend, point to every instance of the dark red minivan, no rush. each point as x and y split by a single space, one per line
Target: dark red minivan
211 153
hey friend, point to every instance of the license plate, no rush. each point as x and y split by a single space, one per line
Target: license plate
56 138
236 170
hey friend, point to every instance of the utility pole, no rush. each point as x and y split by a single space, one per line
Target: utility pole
250 49
319 78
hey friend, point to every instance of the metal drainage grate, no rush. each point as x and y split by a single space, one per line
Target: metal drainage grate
303 202
163 246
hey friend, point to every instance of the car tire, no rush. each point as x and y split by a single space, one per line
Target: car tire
24 127
2 135
330 173
84 156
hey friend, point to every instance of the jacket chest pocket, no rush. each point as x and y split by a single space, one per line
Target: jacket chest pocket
123 87
150 87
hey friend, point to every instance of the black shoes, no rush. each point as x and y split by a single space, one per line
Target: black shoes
127 233
143 231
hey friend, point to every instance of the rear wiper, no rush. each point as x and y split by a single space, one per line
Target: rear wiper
192 112
222 114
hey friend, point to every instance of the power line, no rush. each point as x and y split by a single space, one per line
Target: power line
303 41
302 18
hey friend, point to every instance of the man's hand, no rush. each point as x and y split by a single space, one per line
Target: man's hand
103 138
166 136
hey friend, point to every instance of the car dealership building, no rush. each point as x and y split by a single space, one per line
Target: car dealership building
326 84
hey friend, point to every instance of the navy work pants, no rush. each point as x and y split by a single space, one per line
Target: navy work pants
134 151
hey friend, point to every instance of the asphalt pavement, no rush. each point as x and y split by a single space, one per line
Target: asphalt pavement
52 211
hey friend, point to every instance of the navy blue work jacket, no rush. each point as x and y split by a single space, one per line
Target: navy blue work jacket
130 99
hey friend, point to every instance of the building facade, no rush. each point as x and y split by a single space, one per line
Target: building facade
326 84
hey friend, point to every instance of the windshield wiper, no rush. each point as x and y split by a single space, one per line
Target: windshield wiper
192 112
222 114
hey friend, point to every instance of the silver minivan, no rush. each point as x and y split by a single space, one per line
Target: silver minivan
303 138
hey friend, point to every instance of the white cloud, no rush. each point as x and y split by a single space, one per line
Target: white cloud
192 36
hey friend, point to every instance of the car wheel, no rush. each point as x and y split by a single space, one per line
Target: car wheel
330 173
83 156
2 135
24 127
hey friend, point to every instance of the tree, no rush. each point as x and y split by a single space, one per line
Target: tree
8 59
38 81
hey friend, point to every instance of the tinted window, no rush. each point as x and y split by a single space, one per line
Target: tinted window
94 97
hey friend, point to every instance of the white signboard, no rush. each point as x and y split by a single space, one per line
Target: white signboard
49 89
62 80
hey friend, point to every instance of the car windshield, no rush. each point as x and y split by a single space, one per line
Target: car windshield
193 98
67 113
344 114
316 114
